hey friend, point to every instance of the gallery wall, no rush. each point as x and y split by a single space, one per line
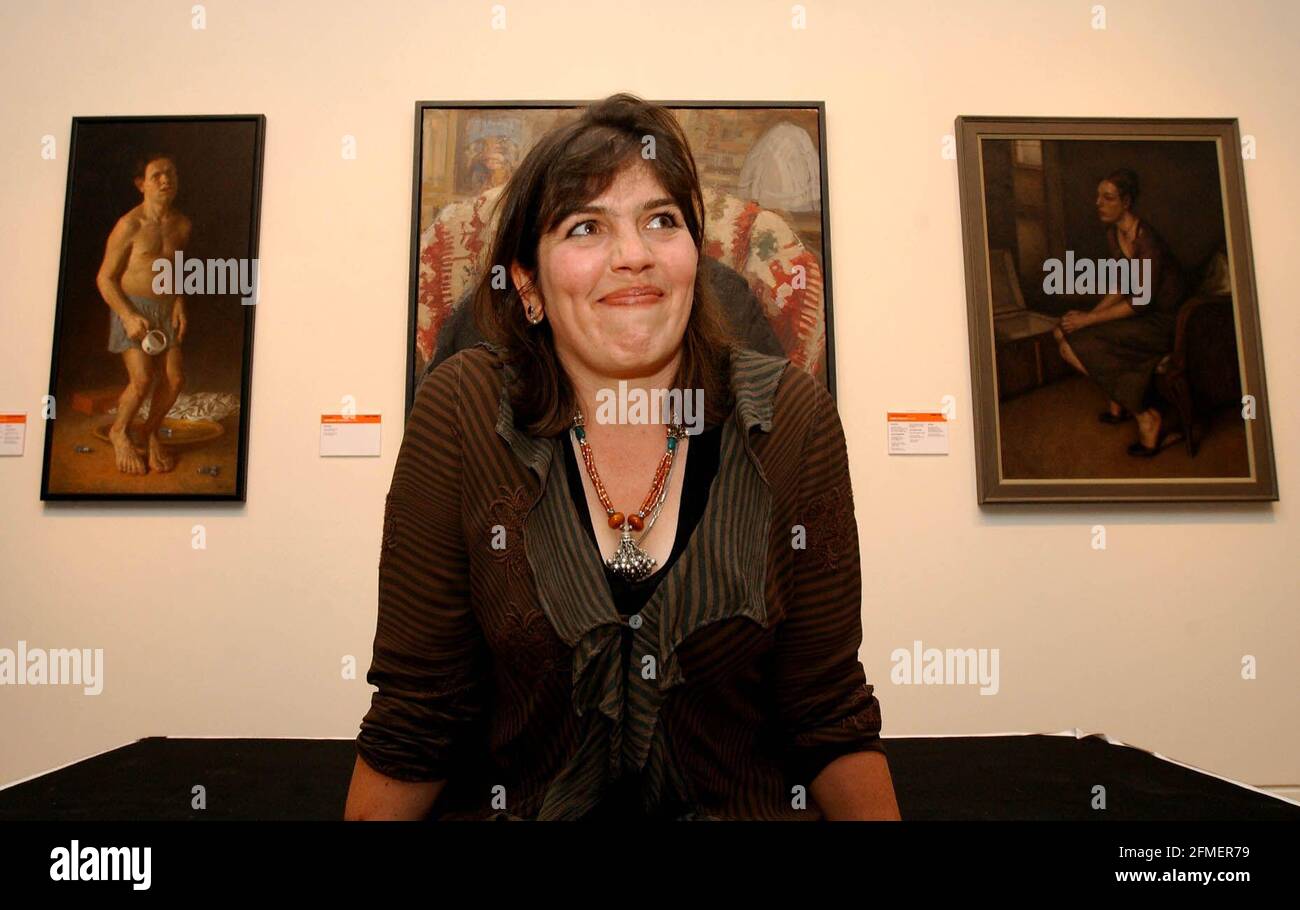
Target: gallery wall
1142 641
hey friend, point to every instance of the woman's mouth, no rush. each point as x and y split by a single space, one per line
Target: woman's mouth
632 296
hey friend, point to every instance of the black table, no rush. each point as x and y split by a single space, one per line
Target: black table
968 778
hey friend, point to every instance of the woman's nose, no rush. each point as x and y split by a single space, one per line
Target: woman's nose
630 249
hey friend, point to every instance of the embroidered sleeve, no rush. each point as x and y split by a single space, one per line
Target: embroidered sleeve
429 656
827 708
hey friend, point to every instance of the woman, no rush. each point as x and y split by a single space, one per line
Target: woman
1118 344
546 649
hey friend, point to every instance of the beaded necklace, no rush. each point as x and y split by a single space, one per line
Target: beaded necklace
630 561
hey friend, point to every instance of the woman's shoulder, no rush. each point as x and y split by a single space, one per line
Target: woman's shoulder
480 359
1146 236
471 378
793 395
1149 233
801 391
482 356
1152 244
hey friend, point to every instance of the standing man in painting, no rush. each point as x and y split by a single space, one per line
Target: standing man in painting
152 230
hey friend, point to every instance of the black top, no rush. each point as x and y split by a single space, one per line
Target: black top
701 466
621 800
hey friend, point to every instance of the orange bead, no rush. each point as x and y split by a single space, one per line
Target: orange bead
636 521
616 520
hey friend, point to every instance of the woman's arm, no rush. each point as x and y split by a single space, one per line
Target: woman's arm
828 713
430 666
376 797
856 787
1110 300
1121 310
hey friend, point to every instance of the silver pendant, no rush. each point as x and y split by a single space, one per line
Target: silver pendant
629 561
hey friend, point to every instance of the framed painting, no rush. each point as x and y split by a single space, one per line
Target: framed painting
762 168
1115 341
153 330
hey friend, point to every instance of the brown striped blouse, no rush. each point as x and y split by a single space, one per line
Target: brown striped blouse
500 657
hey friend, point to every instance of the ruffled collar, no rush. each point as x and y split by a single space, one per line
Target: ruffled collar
725 560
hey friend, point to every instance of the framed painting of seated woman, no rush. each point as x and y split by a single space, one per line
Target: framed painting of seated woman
1115 339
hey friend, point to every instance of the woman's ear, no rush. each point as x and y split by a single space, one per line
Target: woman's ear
523 282
528 293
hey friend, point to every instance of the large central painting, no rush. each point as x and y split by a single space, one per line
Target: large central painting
763 174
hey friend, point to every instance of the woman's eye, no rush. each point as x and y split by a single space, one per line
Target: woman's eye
576 231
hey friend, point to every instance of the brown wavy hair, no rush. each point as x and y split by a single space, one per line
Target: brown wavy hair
567 168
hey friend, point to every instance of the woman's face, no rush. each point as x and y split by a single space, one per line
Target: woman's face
617 279
1110 205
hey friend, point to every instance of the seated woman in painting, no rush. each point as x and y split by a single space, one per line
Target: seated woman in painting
1117 344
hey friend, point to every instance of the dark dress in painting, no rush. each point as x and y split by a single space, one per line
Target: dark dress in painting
1120 355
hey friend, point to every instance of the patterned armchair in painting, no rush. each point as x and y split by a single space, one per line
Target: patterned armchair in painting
768 282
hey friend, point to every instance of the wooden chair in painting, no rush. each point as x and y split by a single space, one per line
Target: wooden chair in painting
1201 374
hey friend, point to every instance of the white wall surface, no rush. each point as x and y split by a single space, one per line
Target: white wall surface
1142 641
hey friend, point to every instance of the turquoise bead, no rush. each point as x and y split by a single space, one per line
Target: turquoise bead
672 443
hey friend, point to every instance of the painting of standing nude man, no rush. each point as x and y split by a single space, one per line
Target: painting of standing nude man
152 364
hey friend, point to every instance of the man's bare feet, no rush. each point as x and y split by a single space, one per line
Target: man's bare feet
128 458
160 458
